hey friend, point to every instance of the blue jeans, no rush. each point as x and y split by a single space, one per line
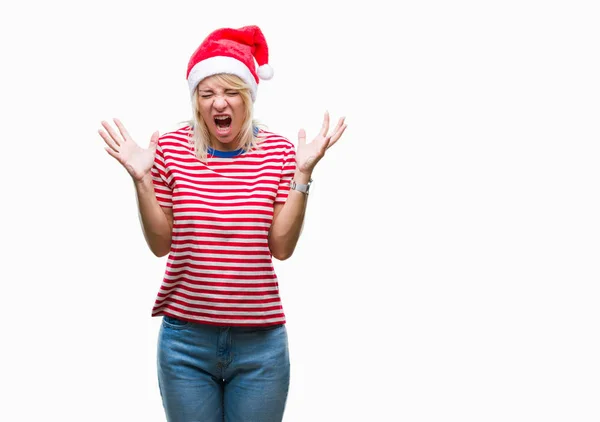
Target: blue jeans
208 373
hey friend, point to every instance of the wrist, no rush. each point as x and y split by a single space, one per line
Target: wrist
298 184
302 178
145 182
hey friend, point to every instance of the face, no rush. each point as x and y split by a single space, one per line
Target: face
224 112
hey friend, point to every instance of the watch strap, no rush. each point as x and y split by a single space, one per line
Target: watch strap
300 187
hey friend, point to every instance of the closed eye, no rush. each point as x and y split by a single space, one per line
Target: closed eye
205 93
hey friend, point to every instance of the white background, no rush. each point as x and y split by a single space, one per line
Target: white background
448 269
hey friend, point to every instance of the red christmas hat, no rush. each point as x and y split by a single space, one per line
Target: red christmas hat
232 51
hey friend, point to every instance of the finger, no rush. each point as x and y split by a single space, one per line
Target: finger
337 128
325 127
154 141
112 153
113 134
301 137
122 129
337 135
339 125
324 146
109 141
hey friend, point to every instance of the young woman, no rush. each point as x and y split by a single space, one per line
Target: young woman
222 197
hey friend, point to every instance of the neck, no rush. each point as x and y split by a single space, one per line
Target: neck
219 146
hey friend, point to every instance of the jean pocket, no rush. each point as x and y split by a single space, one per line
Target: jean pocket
174 322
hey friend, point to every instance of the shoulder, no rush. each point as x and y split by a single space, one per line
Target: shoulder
182 133
177 140
273 141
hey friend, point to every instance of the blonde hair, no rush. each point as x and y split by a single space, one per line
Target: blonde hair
246 139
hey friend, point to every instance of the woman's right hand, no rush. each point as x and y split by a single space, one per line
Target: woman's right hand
136 160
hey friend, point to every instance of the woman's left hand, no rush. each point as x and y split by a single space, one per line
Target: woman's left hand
308 155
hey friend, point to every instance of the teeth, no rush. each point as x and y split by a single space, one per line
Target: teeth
221 117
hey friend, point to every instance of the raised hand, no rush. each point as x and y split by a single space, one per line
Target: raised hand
308 155
136 160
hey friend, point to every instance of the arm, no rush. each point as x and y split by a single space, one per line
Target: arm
288 219
156 221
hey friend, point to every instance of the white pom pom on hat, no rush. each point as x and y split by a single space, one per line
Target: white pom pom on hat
233 51
265 72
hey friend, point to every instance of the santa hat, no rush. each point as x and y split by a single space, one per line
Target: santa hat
233 51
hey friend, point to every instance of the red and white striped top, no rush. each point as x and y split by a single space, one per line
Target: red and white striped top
220 269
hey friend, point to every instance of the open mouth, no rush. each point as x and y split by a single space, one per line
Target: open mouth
223 122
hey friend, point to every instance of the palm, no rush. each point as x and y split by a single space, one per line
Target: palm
136 160
309 154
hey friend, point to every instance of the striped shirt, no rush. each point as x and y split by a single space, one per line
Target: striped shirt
220 269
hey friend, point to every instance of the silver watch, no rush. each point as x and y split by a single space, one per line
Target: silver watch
299 187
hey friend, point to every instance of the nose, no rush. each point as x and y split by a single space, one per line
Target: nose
220 103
